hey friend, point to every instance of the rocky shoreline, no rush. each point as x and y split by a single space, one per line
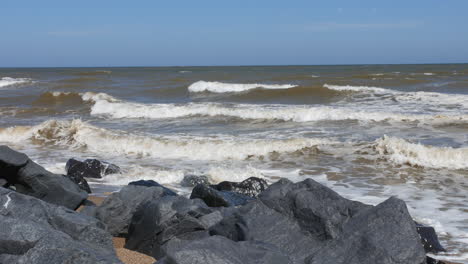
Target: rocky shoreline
50 218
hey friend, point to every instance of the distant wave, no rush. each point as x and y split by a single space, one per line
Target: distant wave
7 81
401 151
79 134
430 98
219 87
356 88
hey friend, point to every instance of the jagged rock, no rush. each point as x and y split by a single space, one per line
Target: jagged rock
257 222
116 211
252 186
34 231
80 181
217 250
29 178
193 180
151 183
318 209
429 238
90 168
215 198
171 218
383 234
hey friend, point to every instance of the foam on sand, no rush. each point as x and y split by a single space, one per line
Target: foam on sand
77 134
219 87
7 81
401 151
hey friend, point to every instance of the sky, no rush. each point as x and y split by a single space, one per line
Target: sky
203 33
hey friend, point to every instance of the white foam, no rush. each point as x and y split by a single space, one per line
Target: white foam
78 134
428 73
403 152
7 81
268 112
95 97
357 88
219 87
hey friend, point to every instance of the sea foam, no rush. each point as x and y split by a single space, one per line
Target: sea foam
77 134
219 87
401 151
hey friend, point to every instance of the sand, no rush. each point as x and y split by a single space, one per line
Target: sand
125 255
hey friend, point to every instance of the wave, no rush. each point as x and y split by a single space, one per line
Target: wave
419 97
219 87
401 151
77 134
7 81
122 109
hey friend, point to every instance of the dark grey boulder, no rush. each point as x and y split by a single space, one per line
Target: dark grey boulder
171 218
151 183
383 234
90 168
27 177
257 222
80 181
215 198
3 182
318 209
116 211
252 186
193 180
429 238
33 231
219 250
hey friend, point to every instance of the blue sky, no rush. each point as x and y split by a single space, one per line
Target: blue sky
177 33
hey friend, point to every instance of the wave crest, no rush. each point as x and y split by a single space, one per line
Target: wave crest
219 87
8 81
401 151
79 134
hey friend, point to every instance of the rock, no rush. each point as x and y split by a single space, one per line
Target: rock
252 186
151 183
3 183
116 211
318 209
429 238
383 234
215 198
90 168
217 250
257 222
29 178
80 181
171 218
34 231
430 260
193 180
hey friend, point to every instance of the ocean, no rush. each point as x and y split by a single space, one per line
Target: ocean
367 131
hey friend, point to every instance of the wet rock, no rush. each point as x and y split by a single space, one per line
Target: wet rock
193 180
116 211
90 168
429 238
430 260
80 181
216 250
215 198
151 183
27 177
318 209
3 183
252 186
383 234
173 219
34 231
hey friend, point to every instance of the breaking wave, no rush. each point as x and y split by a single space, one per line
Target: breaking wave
401 151
78 134
7 81
219 87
